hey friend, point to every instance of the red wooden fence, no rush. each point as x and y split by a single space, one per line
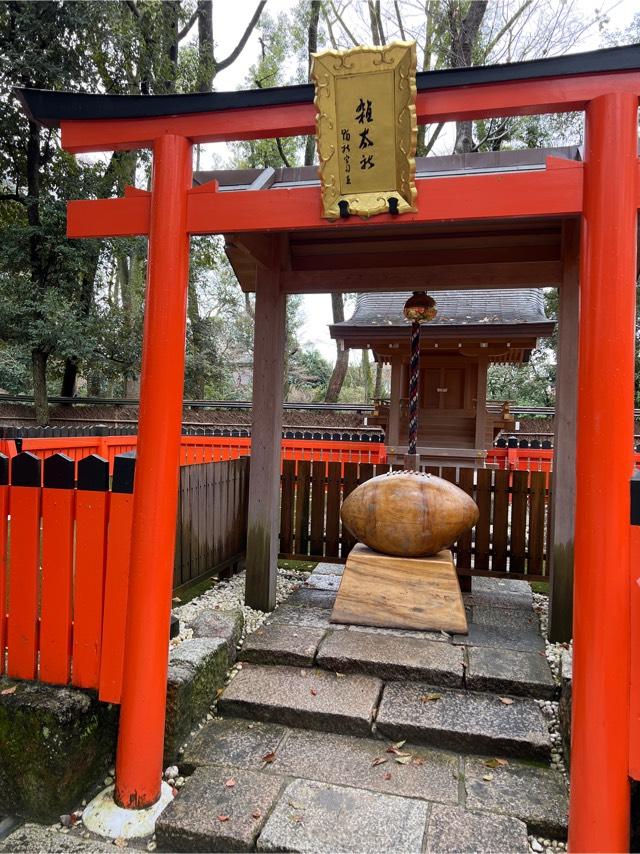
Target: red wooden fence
198 449
64 569
65 534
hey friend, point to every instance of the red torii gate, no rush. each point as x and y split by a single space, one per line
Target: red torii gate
603 192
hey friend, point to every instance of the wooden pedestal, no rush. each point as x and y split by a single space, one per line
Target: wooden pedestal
400 592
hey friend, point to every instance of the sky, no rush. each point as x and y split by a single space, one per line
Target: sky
228 27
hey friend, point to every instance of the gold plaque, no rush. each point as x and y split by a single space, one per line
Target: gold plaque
366 129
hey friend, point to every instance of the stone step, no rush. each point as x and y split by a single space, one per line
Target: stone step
241 772
394 655
303 697
464 721
390 657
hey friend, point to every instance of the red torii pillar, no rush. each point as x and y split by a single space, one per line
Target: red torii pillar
599 801
144 685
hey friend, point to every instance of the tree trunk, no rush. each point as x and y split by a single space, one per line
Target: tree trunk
69 377
197 332
366 375
342 355
40 399
463 32
377 392
206 66
312 45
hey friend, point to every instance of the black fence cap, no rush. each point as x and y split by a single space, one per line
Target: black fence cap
26 469
59 472
124 469
93 473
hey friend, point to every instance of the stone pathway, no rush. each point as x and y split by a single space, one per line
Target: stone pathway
336 738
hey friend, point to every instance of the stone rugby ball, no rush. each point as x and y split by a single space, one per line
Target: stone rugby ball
408 514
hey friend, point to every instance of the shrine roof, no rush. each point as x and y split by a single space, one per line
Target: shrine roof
473 308
49 108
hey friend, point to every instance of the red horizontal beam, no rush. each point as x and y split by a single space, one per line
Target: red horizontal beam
550 192
526 97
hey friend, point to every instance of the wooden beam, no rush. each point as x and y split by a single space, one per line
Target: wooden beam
257 247
266 432
481 404
362 257
506 275
393 429
490 100
554 191
563 498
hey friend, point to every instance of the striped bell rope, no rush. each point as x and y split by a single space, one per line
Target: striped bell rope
420 307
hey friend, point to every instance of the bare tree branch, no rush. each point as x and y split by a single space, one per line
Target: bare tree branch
342 24
183 32
332 38
507 27
399 19
134 8
235 53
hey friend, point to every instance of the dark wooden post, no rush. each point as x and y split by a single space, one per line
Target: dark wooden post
266 436
563 500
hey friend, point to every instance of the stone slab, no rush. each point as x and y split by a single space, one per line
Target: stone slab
197 669
536 795
463 720
292 615
308 598
328 569
324 581
509 671
399 633
365 763
392 657
323 819
280 644
303 697
56 743
40 838
453 830
226 741
501 637
214 623
218 809
512 618
501 592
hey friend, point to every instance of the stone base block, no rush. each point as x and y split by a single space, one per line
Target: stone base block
56 743
196 671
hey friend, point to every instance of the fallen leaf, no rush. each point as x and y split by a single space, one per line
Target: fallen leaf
430 698
417 761
379 760
495 763
386 775
399 744
9 691
404 759
507 701
256 814
296 806
297 818
313 692
230 783
223 818
120 842
268 758
487 777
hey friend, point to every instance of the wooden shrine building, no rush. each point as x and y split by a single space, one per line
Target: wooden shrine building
473 329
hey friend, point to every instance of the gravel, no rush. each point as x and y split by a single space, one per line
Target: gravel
229 594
